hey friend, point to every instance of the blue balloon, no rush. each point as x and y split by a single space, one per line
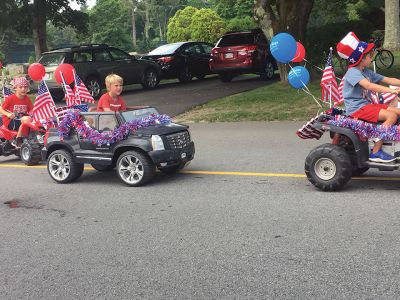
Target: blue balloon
299 77
283 47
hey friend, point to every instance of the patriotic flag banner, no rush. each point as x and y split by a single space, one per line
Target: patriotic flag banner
43 107
308 131
61 111
82 107
6 92
81 92
69 93
330 89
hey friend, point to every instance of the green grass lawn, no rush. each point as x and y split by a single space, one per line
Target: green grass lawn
274 102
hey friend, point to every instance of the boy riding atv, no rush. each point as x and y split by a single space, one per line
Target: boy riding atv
330 166
16 108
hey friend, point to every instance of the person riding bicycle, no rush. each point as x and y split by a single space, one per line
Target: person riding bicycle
16 108
359 83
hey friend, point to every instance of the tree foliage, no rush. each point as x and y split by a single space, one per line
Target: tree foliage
178 26
206 26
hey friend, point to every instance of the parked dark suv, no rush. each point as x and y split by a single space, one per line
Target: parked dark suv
93 62
242 52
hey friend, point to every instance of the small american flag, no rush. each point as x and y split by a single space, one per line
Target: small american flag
330 89
385 98
7 92
308 131
81 92
341 99
43 107
82 107
69 93
60 112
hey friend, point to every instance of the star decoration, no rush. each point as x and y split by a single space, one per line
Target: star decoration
361 49
352 60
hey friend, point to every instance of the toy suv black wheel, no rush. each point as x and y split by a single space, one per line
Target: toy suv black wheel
328 167
30 153
62 168
134 168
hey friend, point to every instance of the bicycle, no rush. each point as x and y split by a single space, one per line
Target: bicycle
384 58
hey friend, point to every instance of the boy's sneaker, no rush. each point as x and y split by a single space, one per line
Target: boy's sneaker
381 156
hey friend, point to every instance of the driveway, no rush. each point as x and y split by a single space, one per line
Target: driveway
173 98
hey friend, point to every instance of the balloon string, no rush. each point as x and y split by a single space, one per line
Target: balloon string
320 69
306 89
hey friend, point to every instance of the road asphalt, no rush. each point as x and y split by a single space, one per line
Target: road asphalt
198 235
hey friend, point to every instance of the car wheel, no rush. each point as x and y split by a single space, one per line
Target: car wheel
93 85
328 167
30 153
150 79
102 168
185 75
62 168
134 168
268 72
226 77
172 169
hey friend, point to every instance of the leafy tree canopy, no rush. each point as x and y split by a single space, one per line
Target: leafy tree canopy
206 26
178 26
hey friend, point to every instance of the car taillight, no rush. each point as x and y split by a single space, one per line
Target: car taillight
214 52
166 59
249 50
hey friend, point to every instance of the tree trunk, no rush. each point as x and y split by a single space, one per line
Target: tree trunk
392 25
133 20
39 27
147 21
291 16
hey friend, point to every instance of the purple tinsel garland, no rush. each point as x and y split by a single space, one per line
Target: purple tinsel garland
368 130
74 119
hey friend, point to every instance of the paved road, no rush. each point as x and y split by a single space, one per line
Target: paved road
173 98
195 235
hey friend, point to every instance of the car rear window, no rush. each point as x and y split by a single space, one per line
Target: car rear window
165 49
236 39
52 59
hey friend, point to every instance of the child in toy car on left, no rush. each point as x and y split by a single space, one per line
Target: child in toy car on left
15 105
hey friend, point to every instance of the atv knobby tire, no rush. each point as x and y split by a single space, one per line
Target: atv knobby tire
328 167
30 153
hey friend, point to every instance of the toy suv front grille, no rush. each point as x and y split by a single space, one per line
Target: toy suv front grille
178 140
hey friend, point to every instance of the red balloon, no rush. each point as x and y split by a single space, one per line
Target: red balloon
67 72
36 71
300 53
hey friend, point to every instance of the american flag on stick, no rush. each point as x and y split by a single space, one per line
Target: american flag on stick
81 92
60 112
307 131
6 92
43 108
329 86
69 93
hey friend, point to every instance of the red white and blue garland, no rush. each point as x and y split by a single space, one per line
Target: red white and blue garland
74 120
368 130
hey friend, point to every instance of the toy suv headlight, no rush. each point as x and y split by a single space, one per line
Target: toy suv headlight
157 142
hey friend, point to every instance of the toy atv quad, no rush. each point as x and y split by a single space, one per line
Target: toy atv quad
30 150
330 166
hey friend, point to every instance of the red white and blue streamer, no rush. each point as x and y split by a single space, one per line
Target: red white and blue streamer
368 130
74 120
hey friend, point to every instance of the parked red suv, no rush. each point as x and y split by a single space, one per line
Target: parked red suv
242 52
